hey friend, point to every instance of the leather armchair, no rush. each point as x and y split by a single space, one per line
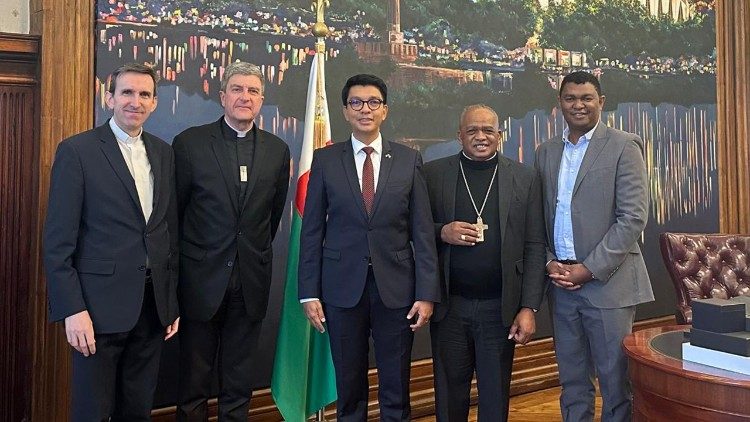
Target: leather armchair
705 266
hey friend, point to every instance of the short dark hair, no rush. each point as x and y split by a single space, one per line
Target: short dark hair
133 68
364 80
580 78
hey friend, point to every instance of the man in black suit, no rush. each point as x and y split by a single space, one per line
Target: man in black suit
367 252
489 227
110 249
232 181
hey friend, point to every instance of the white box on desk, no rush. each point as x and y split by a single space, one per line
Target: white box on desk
715 358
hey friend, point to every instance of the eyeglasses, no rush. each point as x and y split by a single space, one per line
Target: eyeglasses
373 103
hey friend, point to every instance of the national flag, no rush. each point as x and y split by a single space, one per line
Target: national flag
303 376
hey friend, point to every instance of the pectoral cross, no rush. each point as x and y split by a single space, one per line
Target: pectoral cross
481 227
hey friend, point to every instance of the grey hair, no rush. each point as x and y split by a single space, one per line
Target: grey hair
473 107
242 68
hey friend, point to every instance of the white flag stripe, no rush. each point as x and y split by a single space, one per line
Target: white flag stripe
317 70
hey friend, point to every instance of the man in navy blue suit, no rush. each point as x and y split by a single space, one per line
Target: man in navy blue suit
368 262
110 253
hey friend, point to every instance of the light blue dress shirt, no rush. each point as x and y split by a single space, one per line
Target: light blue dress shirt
572 158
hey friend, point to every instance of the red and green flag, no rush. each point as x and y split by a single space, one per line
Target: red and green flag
303 376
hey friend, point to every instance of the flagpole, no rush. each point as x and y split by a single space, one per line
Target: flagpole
320 31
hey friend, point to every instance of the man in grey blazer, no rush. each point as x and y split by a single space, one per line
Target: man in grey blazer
595 206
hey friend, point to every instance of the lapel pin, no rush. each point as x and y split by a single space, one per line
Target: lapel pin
387 155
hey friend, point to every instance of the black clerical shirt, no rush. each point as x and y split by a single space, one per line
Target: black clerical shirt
476 271
240 152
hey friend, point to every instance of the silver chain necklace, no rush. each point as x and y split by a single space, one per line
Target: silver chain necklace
481 227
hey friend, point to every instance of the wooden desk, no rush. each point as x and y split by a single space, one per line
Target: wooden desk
666 388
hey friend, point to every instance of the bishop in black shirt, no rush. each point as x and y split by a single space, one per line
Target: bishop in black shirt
489 229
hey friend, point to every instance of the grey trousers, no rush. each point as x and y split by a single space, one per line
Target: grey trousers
588 343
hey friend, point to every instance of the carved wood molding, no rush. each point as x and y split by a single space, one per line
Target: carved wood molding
20 57
733 109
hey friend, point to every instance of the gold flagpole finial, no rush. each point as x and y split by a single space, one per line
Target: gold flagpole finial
320 29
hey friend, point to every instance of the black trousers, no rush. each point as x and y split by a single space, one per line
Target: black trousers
119 380
349 331
232 336
472 338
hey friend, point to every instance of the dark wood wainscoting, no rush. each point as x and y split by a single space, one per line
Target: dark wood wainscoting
19 111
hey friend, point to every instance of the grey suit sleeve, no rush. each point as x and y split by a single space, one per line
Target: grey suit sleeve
549 250
535 250
423 238
631 213
64 212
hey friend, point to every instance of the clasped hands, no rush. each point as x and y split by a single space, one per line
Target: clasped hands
568 276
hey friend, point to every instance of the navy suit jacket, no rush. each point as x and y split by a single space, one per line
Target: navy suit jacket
96 239
339 239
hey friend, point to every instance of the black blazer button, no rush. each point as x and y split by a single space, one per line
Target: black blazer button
230 263
142 268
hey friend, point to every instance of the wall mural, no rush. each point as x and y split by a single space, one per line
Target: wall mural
656 60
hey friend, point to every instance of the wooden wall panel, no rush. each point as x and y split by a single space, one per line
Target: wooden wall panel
66 28
733 107
18 154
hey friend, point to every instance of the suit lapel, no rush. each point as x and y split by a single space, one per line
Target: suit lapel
258 160
386 161
504 176
114 155
223 161
347 159
450 178
554 157
154 159
596 145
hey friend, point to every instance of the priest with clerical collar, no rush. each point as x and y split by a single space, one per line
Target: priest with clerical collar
491 246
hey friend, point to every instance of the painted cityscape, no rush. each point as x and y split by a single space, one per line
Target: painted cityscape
656 60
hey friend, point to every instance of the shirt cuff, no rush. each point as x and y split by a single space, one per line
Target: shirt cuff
308 299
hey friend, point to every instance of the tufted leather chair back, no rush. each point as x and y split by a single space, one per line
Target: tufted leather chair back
705 266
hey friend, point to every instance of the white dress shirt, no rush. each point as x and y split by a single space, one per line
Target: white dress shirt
570 163
360 156
134 152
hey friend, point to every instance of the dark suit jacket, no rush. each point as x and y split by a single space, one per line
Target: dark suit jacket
522 231
338 239
96 239
214 228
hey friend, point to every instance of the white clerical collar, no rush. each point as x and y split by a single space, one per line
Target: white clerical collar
587 136
123 136
240 133
471 159
377 144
